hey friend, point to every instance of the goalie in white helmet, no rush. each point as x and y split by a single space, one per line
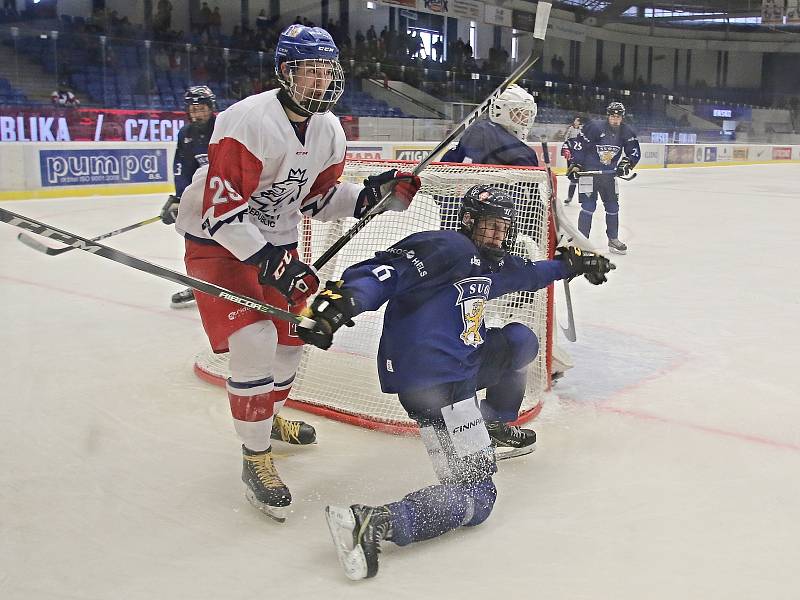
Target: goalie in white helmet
500 139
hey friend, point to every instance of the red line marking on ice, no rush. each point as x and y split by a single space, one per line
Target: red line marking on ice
756 439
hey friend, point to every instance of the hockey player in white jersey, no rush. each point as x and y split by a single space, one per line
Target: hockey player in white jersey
273 157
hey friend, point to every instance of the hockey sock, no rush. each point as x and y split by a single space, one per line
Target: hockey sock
585 222
612 225
434 510
252 408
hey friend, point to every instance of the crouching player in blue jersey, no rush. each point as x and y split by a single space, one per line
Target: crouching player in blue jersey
607 145
435 352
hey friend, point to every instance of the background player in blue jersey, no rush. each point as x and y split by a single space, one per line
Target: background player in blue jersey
603 145
435 352
190 155
573 131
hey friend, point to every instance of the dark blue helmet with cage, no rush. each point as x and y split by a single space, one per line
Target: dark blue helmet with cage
480 202
308 69
200 94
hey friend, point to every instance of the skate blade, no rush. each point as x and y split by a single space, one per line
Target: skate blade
615 251
504 452
276 513
341 523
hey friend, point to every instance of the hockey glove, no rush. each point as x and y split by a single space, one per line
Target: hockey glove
403 186
293 278
169 212
624 168
332 308
592 266
572 172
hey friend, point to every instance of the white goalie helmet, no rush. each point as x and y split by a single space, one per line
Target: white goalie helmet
515 110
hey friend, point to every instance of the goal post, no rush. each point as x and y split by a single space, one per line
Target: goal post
342 383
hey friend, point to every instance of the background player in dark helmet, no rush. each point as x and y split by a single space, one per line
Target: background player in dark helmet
190 155
436 284
603 145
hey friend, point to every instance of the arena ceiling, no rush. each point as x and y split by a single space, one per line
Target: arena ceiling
605 11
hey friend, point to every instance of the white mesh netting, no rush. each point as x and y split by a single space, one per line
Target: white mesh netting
343 382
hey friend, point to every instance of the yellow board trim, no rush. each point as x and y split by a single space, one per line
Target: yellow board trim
86 190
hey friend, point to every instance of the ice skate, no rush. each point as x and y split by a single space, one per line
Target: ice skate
182 299
293 432
264 488
510 441
567 200
357 533
617 247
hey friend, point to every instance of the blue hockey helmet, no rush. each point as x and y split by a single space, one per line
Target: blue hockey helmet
307 67
482 202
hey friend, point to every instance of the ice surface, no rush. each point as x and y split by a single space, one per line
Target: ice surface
667 462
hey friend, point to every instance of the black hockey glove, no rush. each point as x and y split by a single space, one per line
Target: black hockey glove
402 184
293 278
169 212
592 266
624 168
572 172
332 308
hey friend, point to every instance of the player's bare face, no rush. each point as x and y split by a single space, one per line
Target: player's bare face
199 113
490 231
615 120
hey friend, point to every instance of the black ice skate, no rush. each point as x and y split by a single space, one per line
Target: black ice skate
357 533
617 247
293 432
182 299
510 441
264 488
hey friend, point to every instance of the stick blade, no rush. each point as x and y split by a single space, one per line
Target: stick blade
35 244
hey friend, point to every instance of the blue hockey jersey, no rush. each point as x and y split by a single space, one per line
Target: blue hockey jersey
191 153
599 147
488 143
437 286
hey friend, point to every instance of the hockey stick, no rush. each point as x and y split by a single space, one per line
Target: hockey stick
40 247
625 177
80 243
539 32
555 203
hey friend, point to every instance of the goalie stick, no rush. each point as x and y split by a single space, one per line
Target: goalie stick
40 247
80 243
539 32
561 222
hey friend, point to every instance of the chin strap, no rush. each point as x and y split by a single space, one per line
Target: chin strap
285 98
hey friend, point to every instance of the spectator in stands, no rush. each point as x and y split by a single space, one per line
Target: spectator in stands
62 97
216 22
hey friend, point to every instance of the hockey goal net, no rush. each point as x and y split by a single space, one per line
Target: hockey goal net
342 383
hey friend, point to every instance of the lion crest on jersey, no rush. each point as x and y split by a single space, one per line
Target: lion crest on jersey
607 153
289 190
473 293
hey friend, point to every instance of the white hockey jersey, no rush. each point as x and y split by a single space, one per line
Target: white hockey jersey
260 177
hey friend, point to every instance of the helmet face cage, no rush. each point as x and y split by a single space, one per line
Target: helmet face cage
515 109
315 84
200 94
480 202
616 108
